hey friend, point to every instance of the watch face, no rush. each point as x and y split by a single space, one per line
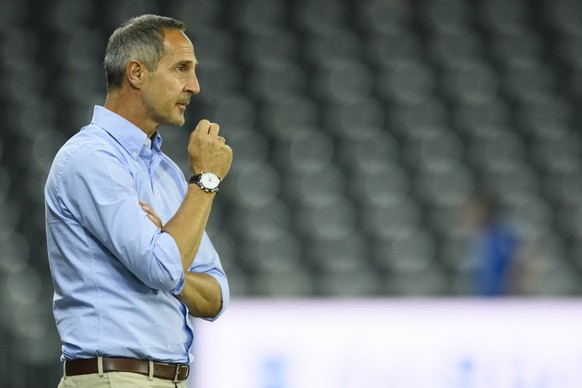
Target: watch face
209 180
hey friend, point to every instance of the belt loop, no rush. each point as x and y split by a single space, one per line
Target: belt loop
176 373
100 366
65 370
151 370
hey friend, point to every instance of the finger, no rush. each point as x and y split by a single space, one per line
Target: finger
146 208
213 129
157 222
203 126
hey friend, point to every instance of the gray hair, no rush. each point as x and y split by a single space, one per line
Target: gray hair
140 38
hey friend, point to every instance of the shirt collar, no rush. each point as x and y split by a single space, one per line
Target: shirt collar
130 137
157 141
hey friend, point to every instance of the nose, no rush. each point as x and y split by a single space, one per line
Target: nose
192 84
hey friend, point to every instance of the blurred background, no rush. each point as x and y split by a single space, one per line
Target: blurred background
365 133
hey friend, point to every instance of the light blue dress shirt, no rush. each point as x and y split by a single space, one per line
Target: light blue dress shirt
115 273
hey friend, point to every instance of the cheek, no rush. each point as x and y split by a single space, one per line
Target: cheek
171 92
163 94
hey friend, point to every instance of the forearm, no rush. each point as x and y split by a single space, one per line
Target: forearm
201 294
188 224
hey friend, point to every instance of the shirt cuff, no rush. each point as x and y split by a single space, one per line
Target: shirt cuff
168 253
224 290
178 289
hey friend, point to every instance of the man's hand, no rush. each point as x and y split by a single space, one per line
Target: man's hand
207 151
151 213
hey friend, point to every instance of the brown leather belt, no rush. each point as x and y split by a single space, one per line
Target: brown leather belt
161 370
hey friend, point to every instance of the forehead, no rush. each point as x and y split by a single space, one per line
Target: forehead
178 46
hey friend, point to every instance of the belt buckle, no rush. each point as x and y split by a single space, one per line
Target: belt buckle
177 372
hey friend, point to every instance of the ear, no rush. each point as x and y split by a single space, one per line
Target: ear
135 72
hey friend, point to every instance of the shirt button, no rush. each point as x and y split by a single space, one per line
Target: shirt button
134 155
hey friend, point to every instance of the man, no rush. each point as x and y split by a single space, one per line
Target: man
127 278
495 251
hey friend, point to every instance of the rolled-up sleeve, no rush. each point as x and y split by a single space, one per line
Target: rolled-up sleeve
99 191
208 261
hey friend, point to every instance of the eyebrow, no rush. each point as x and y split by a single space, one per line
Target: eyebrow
186 62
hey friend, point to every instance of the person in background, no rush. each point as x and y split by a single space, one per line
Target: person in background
126 277
494 247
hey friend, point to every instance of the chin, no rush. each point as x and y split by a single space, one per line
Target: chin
176 121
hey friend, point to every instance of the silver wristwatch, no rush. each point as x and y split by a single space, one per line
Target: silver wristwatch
208 181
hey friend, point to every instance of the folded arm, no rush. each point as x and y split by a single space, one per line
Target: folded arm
202 292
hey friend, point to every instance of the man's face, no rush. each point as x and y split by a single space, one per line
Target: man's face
168 89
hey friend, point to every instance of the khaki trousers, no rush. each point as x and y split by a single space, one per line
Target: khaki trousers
117 380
